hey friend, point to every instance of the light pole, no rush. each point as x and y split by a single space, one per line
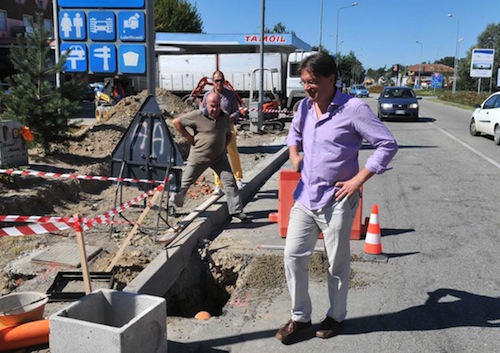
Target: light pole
455 63
420 64
493 67
320 23
337 33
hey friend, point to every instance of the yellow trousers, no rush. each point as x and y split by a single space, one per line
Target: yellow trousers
234 157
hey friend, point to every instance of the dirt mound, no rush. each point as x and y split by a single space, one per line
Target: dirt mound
101 138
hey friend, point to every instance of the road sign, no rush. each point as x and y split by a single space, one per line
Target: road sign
96 30
72 25
102 4
481 64
77 57
132 59
103 58
102 26
131 26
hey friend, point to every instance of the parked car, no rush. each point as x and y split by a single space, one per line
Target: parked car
486 118
398 102
359 91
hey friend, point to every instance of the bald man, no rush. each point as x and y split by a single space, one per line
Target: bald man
209 139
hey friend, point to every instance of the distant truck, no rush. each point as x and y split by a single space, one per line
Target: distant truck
180 74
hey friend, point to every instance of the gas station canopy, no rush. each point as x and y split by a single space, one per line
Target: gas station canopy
202 43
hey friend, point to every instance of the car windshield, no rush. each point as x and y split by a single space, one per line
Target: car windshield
359 87
398 93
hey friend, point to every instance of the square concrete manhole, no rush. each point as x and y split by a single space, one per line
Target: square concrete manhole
65 255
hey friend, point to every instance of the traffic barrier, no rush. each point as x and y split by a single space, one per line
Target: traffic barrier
49 224
288 180
81 177
372 249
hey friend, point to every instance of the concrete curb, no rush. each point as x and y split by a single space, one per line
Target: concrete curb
163 271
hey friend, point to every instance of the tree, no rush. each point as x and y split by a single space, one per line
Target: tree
448 61
34 100
278 28
177 16
350 68
488 39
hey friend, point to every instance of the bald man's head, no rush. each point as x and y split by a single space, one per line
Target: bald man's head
213 104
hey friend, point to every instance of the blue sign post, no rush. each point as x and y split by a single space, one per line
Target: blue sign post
103 37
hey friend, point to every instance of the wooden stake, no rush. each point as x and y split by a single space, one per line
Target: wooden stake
83 255
134 230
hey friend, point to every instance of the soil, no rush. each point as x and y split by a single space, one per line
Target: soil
88 152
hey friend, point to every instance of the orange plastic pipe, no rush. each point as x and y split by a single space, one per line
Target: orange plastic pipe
32 333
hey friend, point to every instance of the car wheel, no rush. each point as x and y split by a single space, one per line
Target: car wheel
472 128
496 135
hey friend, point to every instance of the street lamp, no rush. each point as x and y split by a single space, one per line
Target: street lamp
420 64
337 34
320 23
455 63
493 68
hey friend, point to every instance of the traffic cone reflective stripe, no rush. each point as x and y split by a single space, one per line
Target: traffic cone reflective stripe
373 244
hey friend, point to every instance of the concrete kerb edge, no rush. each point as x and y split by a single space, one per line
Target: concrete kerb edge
158 276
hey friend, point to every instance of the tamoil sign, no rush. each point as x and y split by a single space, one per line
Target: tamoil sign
481 64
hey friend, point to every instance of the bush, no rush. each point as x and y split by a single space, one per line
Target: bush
466 98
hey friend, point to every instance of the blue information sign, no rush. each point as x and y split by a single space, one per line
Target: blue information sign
103 4
72 25
102 58
132 58
77 57
102 25
131 26
104 36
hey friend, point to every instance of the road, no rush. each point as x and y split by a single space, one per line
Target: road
439 290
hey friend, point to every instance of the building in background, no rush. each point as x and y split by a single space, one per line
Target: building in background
15 16
429 73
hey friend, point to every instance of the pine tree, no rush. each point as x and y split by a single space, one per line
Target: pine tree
34 99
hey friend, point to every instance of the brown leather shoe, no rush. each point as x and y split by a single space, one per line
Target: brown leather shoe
290 329
328 328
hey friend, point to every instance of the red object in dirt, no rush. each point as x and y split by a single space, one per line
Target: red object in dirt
288 181
32 333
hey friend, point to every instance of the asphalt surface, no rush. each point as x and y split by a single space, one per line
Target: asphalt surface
438 291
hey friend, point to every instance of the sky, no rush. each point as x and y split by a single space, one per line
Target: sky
379 32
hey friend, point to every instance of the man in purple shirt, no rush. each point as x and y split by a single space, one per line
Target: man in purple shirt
328 129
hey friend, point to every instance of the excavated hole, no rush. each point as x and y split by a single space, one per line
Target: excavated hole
212 278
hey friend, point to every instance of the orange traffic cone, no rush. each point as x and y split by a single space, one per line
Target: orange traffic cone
373 247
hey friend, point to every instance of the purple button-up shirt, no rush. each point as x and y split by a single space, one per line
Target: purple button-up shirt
331 144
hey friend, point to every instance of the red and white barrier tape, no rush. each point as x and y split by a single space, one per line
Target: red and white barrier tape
107 215
268 110
76 176
34 229
55 224
49 219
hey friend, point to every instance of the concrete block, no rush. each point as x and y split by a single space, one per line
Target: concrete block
111 321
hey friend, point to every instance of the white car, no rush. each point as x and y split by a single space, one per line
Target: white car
486 118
